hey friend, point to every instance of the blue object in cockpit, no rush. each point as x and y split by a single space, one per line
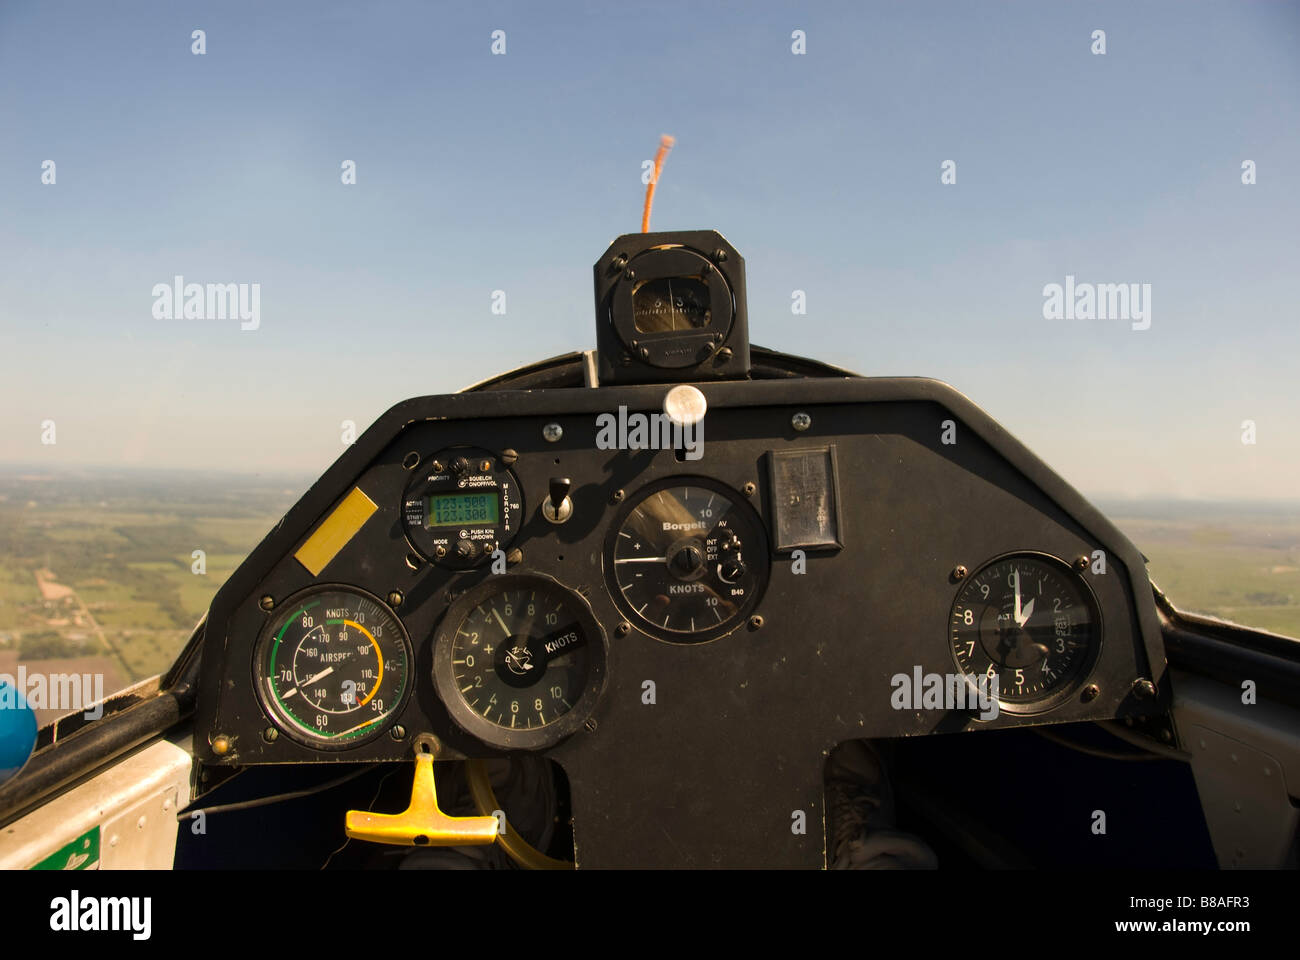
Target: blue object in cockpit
17 730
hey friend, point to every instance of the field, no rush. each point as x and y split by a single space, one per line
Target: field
1239 562
101 565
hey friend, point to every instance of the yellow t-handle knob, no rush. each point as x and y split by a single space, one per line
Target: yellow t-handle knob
422 823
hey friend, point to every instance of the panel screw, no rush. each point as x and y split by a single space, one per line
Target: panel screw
644 353
221 745
629 274
959 572
801 422
750 489
270 735
623 628
1080 562
720 255
552 432
590 725
618 263
395 598
618 496
755 622
1090 693
1144 689
509 456
398 732
724 354
267 602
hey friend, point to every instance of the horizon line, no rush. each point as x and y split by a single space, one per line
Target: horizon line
11 467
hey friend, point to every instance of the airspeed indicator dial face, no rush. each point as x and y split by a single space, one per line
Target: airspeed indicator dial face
1031 622
332 667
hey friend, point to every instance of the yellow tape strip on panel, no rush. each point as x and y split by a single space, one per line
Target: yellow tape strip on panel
335 531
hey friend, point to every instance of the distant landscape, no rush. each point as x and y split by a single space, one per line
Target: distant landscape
98 570
1238 561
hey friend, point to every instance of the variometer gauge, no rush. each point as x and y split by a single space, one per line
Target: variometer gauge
332 668
519 662
1031 622
687 560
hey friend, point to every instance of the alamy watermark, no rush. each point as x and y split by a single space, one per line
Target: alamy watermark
945 691
211 301
1100 301
654 431
67 692
75 913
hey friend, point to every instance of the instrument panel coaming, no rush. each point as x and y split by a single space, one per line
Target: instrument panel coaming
740 722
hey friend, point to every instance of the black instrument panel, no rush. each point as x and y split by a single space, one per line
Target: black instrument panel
719 623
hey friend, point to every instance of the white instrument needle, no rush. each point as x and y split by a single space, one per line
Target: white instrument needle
309 681
1027 612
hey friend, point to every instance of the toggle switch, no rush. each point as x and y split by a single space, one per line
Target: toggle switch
558 507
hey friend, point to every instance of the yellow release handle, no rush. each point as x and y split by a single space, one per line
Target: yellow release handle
421 824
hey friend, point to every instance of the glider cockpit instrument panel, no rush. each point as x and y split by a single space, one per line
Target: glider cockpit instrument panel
685 579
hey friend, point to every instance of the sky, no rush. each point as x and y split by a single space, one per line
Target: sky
478 172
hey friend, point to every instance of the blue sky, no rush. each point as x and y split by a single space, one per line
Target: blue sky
478 172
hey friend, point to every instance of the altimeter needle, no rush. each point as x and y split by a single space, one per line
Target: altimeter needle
1022 615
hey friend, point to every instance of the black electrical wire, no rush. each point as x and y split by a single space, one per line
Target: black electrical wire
378 790
1145 751
276 798
1099 752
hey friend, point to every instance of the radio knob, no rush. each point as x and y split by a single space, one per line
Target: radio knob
459 466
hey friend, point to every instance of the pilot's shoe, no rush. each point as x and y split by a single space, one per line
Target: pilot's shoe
860 815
